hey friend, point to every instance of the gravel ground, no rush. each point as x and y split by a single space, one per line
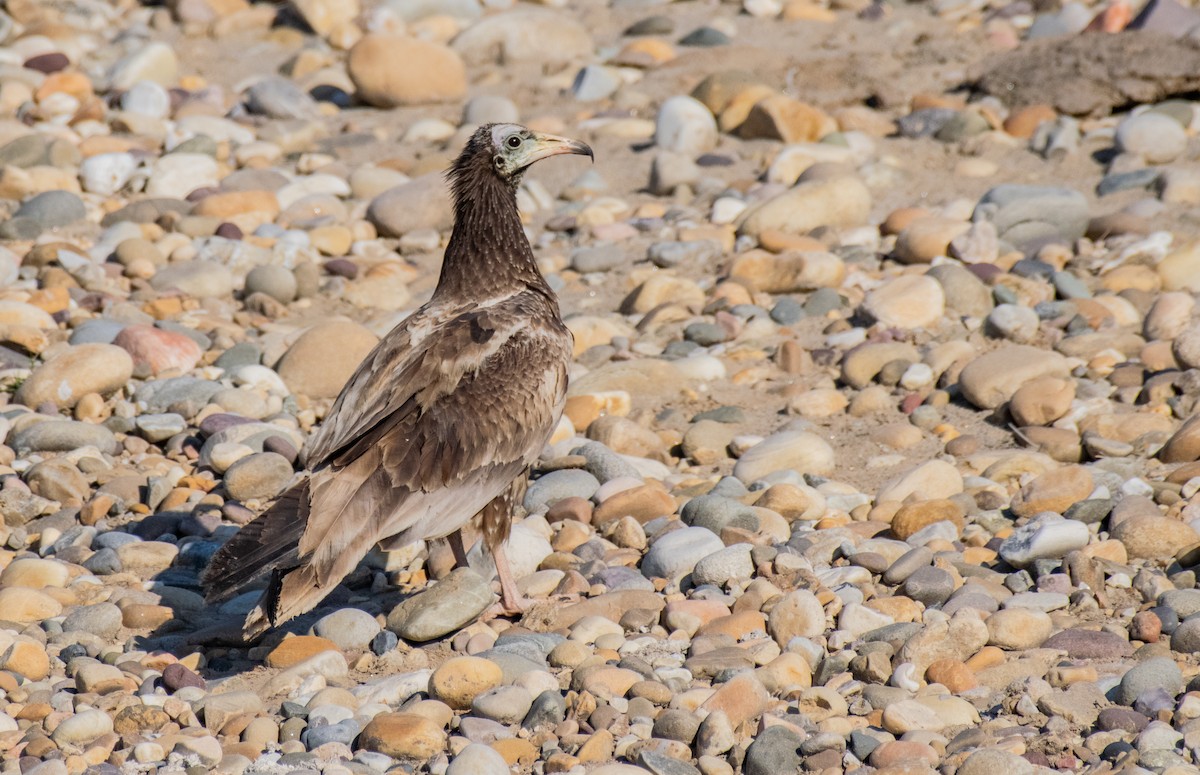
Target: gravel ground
881 453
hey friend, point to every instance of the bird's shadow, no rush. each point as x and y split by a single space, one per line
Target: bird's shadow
214 629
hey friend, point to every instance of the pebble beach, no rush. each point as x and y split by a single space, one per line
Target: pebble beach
881 453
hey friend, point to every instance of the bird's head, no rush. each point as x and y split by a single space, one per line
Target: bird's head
509 149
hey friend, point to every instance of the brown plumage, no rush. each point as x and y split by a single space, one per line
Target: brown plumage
440 419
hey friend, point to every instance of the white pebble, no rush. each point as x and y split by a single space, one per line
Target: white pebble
763 9
147 98
701 368
148 753
685 126
905 677
726 209
227 453
260 377
430 130
1119 581
917 376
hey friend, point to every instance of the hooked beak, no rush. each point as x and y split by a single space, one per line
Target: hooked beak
546 145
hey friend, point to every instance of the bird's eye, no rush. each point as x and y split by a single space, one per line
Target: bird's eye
514 142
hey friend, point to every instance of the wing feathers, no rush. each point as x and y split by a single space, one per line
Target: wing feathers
429 430
260 546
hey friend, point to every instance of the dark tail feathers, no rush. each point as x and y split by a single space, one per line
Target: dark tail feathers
263 547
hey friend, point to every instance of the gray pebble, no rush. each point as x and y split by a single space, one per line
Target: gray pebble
97 331
53 209
342 732
597 258
1070 287
278 97
595 82
661 764
979 601
490 109
669 254
241 354
513 666
548 708
907 564
505 704
1013 322
534 646
1154 673
717 512
351 629
258 476
102 620
1091 511
104 562
482 730
675 724
775 750
63 436
669 170
184 396
201 279
787 311
603 463
441 608
1128 181
925 122
1186 637
677 553
705 37
557 485
159 427
720 567
929 585
275 281
26 151
1031 216
822 301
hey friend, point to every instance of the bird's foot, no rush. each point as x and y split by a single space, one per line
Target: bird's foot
512 602
509 605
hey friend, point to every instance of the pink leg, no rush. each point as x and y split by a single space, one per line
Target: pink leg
511 601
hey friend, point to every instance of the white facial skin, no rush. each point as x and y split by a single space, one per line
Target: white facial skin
513 148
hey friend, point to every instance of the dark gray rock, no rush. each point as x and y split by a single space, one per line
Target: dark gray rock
342 732
1154 673
929 585
548 708
661 764
775 751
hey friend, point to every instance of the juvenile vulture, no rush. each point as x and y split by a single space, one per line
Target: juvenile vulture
441 420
